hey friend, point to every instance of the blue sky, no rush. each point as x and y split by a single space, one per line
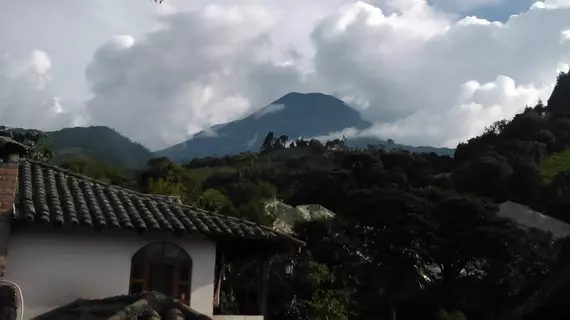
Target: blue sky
502 12
498 10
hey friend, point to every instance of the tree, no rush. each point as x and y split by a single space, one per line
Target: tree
162 186
280 142
268 143
37 142
98 170
469 235
162 176
214 200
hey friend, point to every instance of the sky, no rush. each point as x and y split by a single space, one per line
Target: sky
424 72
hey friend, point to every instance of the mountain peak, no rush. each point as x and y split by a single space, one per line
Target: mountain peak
293 97
306 114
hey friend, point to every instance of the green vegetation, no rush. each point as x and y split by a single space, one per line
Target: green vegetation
101 144
201 174
100 171
38 143
96 144
415 236
556 164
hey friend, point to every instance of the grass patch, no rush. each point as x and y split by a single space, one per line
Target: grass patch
553 165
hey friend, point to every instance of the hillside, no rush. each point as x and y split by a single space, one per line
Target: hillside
295 114
99 143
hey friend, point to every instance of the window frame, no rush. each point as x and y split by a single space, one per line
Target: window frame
142 259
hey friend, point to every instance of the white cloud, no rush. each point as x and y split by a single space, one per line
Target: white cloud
26 98
253 140
346 133
478 106
272 108
551 4
40 62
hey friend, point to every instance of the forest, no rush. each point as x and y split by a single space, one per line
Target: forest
414 236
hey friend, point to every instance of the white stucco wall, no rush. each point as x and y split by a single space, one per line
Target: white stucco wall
54 269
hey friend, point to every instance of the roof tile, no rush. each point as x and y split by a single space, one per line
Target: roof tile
62 198
143 306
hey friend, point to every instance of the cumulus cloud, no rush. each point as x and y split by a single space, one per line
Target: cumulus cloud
26 99
477 107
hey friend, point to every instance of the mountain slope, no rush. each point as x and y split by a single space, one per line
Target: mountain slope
99 143
295 114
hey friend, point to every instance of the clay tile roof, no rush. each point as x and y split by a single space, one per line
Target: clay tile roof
54 196
148 305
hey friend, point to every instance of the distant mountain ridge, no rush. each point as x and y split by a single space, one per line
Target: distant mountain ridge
99 143
295 115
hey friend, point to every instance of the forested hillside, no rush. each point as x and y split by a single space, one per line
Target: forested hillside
523 159
98 143
415 235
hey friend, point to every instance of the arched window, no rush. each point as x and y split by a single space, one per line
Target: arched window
162 267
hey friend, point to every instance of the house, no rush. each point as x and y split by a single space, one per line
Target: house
64 236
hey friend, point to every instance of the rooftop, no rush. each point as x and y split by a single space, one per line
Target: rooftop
50 195
148 305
